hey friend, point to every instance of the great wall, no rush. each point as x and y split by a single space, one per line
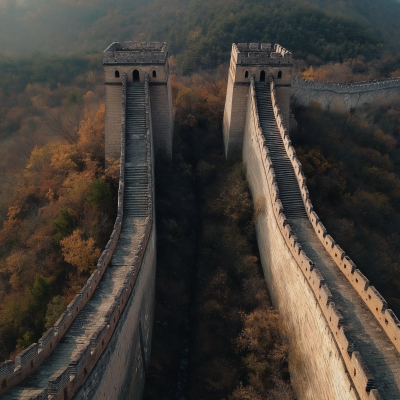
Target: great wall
344 97
348 341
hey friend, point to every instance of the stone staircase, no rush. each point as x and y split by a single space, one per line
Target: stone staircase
289 191
136 168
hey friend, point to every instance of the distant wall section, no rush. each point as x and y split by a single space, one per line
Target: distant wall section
342 97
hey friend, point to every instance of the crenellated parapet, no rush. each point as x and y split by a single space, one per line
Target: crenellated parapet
370 296
263 54
136 53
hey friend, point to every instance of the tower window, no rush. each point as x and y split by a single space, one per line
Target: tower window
246 74
280 75
154 74
135 75
262 76
117 74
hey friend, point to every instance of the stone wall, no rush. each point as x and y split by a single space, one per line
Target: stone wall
321 373
342 97
162 116
371 297
113 120
121 369
140 59
298 290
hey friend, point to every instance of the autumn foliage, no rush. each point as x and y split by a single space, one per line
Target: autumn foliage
352 167
59 219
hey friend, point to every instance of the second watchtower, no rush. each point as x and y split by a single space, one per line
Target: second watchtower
260 61
135 59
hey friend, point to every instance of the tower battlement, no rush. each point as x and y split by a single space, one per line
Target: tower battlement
136 60
135 53
260 53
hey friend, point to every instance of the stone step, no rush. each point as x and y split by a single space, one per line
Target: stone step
289 191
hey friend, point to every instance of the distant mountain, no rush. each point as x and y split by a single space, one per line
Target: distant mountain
200 32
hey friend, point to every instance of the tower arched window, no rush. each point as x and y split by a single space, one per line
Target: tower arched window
117 74
246 74
262 76
280 75
135 76
154 74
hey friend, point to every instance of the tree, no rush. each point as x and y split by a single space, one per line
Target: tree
99 194
82 254
55 308
64 224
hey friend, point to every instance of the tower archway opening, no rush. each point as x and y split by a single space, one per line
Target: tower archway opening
262 76
280 75
117 74
246 74
154 74
135 76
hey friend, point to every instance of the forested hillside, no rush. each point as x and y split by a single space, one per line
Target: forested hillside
352 165
57 199
201 33
57 205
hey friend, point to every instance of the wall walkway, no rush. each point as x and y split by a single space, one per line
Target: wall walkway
98 325
332 317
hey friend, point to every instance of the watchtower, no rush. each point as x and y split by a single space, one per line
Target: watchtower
260 61
135 59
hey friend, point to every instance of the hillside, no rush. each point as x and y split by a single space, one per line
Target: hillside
201 33
352 166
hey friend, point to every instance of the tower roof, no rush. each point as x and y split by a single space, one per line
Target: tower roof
135 53
260 53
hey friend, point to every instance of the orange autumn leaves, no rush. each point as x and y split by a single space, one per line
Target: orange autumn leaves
80 253
60 216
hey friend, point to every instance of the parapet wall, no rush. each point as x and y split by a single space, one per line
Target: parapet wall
330 380
255 53
136 53
343 97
